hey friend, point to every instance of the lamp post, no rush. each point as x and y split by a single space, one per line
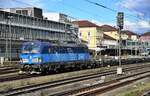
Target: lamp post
8 18
6 51
120 43
10 35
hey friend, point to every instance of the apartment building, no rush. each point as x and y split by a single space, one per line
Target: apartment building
90 33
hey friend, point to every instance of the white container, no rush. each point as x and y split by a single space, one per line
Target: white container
119 70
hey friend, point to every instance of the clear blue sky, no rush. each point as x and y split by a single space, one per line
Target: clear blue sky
81 9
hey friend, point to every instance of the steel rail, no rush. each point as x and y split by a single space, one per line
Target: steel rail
103 87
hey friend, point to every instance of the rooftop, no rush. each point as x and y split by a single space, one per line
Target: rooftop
107 28
129 32
146 34
108 37
85 23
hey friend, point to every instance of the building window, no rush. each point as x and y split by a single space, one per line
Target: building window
23 12
88 33
80 34
18 11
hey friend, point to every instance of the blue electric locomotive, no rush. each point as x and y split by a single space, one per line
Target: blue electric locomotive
40 56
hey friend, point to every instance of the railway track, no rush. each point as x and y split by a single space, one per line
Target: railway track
15 77
106 86
7 70
31 88
23 76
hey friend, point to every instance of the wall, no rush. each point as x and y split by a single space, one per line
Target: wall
134 37
115 35
108 43
89 35
112 34
144 38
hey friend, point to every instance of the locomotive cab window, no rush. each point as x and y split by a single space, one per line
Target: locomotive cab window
45 50
31 48
49 50
69 50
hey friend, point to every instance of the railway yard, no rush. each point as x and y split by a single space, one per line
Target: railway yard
102 81
75 48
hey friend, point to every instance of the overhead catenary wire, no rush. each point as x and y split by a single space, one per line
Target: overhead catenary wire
95 3
111 9
79 9
19 1
87 12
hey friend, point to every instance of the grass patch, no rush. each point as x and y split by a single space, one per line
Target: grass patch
136 90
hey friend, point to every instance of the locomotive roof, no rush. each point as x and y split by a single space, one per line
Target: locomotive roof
54 44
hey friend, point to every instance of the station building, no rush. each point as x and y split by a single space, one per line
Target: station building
113 32
105 39
145 42
18 25
109 42
132 43
91 33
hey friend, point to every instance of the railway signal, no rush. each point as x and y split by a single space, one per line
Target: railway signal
120 23
120 20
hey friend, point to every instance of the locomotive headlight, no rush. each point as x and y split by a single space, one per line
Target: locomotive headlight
25 60
36 60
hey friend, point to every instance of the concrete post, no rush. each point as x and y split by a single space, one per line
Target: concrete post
2 61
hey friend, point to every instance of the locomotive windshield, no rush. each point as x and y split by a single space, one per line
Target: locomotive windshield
31 48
